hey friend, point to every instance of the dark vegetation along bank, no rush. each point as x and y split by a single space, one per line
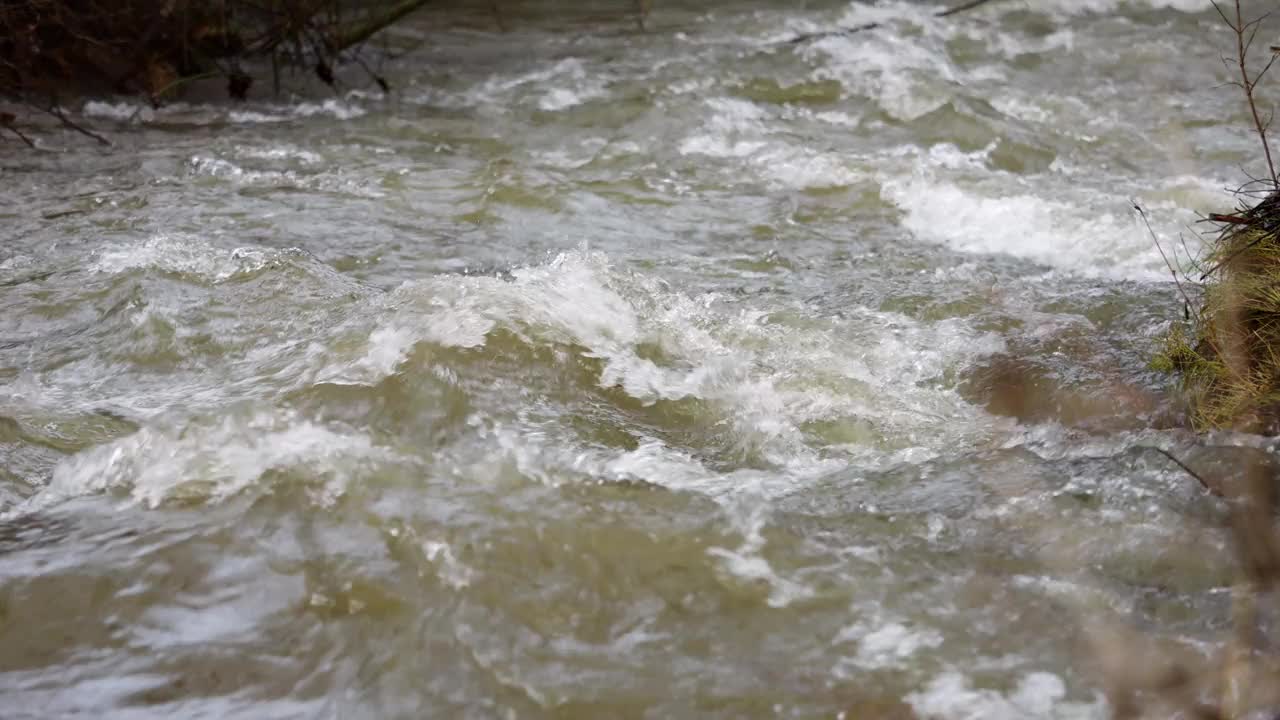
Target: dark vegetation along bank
52 51
50 48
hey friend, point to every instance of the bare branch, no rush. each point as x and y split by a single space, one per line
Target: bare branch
1172 270
67 122
1253 25
961 8
1225 19
1246 84
1191 258
13 129
969 5
1213 489
1263 71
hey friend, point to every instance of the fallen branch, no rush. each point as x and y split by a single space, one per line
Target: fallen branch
961 8
873 25
1213 490
7 120
360 32
1247 84
1172 270
56 111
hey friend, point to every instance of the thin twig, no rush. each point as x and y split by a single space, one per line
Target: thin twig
961 8
1246 84
971 4
1203 483
642 13
20 134
382 82
497 16
1263 71
1172 270
57 112
1190 257
155 96
358 33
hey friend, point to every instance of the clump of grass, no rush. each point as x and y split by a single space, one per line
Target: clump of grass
1228 360
1232 370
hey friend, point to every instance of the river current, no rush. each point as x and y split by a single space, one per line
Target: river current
599 373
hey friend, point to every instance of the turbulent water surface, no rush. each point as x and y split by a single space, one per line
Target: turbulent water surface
598 373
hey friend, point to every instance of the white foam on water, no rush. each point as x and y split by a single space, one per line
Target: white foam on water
574 85
1010 46
250 117
691 86
281 152
860 13
735 115
450 570
334 108
126 111
781 166
204 165
1087 240
731 128
1038 695
387 348
732 356
365 94
559 86
747 564
218 167
211 460
17 262
803 168
121 110
563 98
944 156
908 75
742 130
582 152
538 455
883 643
655 462
1024 109
183 254
838 117
563 301
1092 7
1187 6
720 146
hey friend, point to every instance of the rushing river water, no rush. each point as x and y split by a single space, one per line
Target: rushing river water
594 373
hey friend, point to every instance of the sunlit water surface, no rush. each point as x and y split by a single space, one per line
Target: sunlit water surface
594 373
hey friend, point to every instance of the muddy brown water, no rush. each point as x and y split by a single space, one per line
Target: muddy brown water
605 374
